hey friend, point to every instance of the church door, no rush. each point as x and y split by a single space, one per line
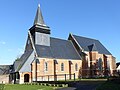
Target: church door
26 78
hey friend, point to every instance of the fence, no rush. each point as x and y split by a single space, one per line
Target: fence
57 77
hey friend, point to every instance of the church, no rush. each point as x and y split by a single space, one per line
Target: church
48 58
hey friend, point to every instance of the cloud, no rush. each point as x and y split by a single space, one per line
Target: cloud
2 42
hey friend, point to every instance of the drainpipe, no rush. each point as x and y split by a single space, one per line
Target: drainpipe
55 77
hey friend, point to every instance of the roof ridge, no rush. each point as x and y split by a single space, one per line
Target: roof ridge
85 37
58 38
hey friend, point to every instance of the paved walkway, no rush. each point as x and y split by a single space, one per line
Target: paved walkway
67 88
83 86
87 86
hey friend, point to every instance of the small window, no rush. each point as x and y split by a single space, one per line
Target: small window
76 67
62 67
46 66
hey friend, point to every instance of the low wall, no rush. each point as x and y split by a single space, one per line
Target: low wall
4 79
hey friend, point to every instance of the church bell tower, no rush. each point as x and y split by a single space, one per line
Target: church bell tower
40 31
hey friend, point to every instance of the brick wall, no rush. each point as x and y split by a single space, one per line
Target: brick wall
54 68
90 64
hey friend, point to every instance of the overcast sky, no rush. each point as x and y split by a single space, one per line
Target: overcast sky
98 19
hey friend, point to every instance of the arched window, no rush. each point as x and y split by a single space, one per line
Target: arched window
62 67
100 64
46 66
76 67
108 64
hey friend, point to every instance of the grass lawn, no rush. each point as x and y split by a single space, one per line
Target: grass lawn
109 86
1 86
25 87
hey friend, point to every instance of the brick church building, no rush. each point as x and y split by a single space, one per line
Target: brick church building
48 58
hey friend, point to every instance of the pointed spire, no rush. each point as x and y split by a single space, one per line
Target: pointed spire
39 18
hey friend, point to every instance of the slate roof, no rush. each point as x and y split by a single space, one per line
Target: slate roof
19 63
85 43
59 49
26 66
92 47
4 69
